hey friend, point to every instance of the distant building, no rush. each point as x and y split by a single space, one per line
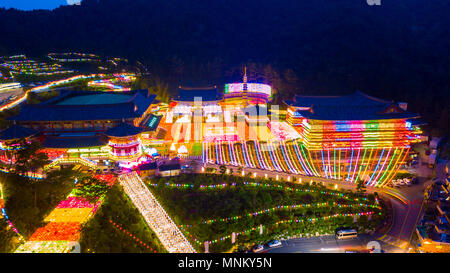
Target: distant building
434 236
435 142
171 169
147 169
88 124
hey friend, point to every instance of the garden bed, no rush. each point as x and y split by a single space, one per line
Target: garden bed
118 227
211 207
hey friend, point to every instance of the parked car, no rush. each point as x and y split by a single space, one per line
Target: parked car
274 243
242 250
257 248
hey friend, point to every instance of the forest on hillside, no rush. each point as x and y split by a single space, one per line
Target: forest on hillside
397 51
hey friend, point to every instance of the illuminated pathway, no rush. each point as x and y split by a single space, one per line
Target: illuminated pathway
46 87
155 216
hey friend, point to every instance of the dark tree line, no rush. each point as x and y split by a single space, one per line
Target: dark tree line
396 51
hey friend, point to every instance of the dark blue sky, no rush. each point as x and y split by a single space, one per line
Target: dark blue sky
33 4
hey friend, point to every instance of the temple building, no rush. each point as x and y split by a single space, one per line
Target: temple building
125 143
10 139
245 93
353 138
81 111
89 127
204 101
189 111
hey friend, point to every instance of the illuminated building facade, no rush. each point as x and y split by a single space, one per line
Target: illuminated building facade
201 100
191 112
246 93
353 138
125 142
91 127
81 111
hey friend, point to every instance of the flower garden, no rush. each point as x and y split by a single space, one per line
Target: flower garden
64 223
98 214
208 211
118 227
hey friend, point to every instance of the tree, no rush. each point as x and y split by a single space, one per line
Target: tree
90 188
8 238
361 187
222 169
29 159
160 88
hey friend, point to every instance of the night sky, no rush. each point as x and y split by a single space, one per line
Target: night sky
34 4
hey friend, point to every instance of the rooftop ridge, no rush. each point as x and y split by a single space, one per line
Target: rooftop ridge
76 105
197 88
372 97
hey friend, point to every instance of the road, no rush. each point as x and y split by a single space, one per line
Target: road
322 244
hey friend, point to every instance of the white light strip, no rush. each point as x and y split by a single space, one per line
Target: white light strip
155 216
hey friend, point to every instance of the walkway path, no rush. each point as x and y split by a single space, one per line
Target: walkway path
155 216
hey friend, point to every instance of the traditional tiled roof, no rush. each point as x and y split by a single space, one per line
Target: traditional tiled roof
416 122
123 130
73 142
356 106
170 167
132 106
16 132
189 94
151 122
357 98
148 166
